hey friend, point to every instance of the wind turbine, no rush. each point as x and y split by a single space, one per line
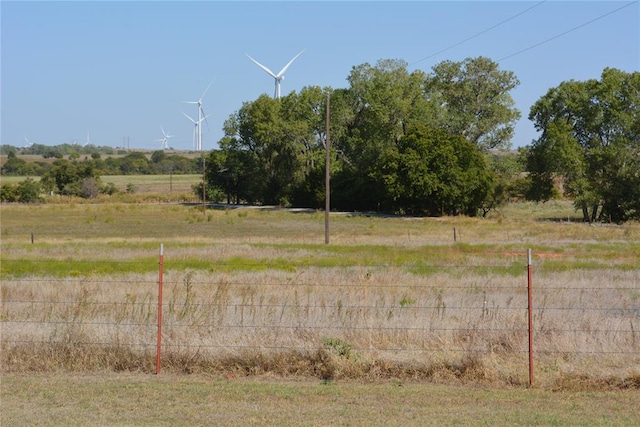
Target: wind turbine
197 142
201 116
165 138
88 141
28 144
277 77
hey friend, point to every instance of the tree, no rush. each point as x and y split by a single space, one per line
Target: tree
14 165
232 170
439 174
383 100
70 178
509 182
591 141
27 191
472 98
271 147
134 163
8 193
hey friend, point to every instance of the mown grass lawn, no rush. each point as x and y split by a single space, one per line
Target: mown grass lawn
176 400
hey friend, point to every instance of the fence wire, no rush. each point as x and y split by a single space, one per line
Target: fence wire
377 310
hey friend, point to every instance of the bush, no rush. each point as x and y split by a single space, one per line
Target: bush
109 189
27 191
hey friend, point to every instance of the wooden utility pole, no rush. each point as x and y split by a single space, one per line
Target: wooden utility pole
204 187
327 190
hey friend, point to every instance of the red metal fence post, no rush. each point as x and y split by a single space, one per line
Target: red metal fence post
160 274
530 314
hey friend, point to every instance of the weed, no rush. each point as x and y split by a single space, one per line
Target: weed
338 347
407 301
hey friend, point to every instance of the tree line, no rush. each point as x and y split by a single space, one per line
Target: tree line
81 177
430 144
401 142
424 144
134 163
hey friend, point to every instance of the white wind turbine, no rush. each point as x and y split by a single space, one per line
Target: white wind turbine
201 117
277 77
88 141
164 139
196 134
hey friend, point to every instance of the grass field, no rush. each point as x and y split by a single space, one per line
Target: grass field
342 317
161 187
181 400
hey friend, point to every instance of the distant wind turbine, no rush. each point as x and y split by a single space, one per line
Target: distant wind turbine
201 116
196 132
88 141
164 139
277 77
28 144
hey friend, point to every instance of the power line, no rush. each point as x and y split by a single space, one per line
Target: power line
480 33
567 32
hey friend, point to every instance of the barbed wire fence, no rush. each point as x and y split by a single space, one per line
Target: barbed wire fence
401 314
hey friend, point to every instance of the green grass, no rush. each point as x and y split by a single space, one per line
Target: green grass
176 400
100 235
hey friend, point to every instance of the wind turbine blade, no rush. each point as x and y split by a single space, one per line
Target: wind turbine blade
205 91
188 117
204 117
290 62
263 67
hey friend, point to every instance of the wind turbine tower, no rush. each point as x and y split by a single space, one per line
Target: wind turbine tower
277 77
197 134
201 117
164 140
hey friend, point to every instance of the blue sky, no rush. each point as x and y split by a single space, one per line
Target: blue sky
119 70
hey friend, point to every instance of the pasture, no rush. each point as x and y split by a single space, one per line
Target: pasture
393 311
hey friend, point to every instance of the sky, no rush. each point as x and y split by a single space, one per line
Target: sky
115 73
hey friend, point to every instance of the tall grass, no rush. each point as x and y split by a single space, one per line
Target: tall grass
359 317
254 290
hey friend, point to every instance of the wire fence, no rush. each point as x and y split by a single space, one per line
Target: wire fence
397 313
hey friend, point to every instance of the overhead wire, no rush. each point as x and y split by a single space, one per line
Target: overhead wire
480 33
532 46
568 31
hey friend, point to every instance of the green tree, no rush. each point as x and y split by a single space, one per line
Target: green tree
68 178
509 182
158 156
472 98
590 141
14 165
271 147
27 191
8 193
439 174
232 170
383 100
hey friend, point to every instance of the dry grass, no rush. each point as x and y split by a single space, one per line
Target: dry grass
254 292
354 323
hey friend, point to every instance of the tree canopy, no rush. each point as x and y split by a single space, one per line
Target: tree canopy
590 140
400 141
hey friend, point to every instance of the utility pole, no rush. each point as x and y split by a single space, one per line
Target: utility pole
204 186
327 190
